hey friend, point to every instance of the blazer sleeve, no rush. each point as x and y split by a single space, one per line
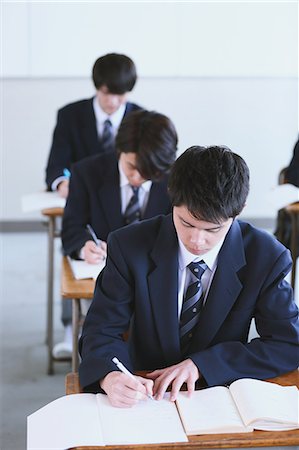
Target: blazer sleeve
292 172
107 320
60 152
76 215
275 351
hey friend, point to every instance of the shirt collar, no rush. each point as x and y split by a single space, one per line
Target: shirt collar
123 180
114 118
210 258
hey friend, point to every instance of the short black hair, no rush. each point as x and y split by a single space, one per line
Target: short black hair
153 137
211 182
115 71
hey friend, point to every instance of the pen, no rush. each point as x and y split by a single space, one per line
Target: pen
66 173
93 235
123 369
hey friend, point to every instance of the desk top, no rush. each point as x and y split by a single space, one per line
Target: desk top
206 441
52 212
72 288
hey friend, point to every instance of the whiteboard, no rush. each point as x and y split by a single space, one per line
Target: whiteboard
165 39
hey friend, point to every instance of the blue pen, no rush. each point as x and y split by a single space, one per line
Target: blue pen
66 173
90 230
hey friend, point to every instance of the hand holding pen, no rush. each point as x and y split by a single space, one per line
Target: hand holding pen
95 250
125 389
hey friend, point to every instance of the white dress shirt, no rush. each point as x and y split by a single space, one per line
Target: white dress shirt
185 276
101 116
126 192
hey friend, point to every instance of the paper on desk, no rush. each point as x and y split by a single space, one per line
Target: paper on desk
90 420
82 269
282 195
41 200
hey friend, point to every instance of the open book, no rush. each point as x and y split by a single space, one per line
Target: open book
246 405
90 420
82 270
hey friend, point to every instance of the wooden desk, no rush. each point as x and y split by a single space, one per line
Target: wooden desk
205 441
293 211
75 289
52 214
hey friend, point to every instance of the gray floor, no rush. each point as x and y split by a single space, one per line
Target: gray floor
25 385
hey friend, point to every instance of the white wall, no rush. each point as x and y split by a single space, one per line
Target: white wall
225 72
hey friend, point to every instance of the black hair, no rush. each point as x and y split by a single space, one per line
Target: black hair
152 136
116 72
212 182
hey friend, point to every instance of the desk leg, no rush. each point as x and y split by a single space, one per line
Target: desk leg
75 324
51 235
294 244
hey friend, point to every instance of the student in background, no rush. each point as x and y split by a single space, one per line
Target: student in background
88 127
292 171
187 287
112 190
283 222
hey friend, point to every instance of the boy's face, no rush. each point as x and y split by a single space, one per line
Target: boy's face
128 165
198 236
110 102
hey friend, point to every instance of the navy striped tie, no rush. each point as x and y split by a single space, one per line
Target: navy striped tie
132 212
107 137
192 304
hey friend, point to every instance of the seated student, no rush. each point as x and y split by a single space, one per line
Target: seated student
111 190
283 222
88 127
292 171
187 287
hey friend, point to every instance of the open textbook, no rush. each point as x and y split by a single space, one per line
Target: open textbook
245 405
90 420
81 269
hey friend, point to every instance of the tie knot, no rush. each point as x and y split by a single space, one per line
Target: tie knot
135 189
107 123
198 268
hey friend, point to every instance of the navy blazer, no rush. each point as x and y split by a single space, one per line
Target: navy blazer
138 290
75 137
292 171
94 198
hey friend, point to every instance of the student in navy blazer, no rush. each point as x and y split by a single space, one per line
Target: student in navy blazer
100 186
143 285
79 129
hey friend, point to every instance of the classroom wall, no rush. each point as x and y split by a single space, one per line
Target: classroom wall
225 72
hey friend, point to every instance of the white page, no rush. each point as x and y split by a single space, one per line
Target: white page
209 411
282 195
268 401
82 270
41 200
148 422
67 422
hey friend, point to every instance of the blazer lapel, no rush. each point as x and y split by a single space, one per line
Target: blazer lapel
224 289
89 129
163 288
109 197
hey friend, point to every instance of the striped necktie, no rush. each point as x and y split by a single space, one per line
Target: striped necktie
107 140
132 212
192 304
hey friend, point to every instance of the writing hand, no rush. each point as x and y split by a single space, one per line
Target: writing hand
174 376
124 391
63 189
94 254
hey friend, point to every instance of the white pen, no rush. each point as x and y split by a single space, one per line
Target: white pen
90 230
123 369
